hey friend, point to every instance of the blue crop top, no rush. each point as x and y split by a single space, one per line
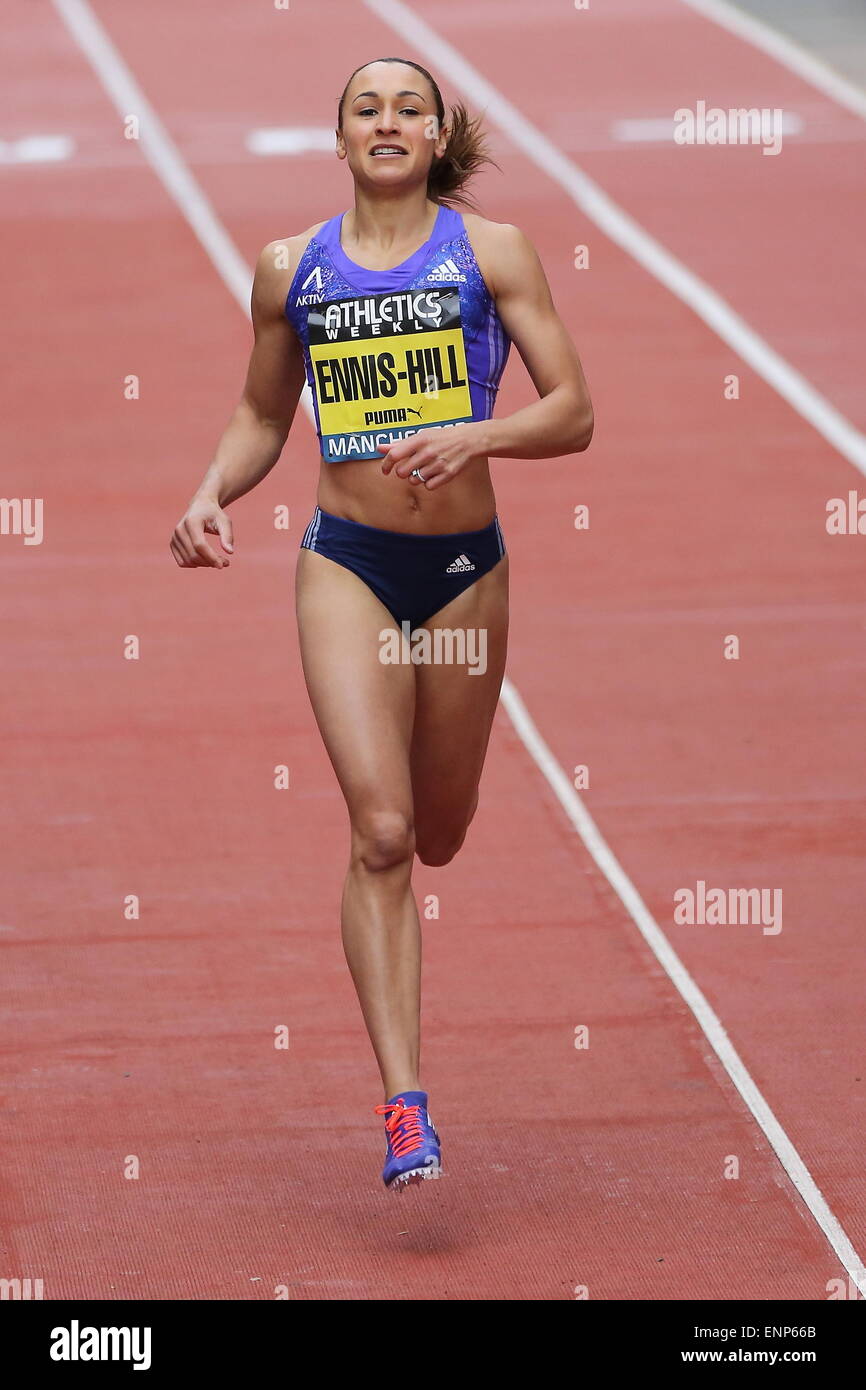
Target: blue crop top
389 352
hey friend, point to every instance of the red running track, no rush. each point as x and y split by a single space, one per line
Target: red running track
153 1038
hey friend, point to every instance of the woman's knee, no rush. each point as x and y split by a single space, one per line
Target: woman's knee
383 839
436 853
437 843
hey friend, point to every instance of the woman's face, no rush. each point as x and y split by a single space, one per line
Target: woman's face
390 132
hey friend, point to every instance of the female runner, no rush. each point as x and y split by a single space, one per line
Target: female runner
399 314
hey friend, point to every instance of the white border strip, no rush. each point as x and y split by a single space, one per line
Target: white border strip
784 50
628 234
163 156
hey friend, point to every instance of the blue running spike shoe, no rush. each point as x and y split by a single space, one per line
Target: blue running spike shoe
413 1151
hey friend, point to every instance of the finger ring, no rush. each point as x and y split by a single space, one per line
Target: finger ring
416 473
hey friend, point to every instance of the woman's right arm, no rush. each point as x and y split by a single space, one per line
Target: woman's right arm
254 437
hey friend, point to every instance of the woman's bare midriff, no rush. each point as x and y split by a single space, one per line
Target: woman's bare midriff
361 492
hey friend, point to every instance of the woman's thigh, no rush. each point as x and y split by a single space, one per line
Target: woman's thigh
364 707
455 704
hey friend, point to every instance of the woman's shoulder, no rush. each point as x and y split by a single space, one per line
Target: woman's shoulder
498 246
289 249
277 265
499 238
484 226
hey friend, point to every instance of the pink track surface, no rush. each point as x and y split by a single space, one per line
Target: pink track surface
602 1168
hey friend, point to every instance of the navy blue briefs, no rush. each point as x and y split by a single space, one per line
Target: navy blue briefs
414 576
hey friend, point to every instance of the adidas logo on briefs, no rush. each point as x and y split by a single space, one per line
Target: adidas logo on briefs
446 270
460 566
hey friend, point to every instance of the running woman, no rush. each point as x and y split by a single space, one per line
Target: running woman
399 314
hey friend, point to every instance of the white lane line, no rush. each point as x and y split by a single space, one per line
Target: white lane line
229 263
784 50
161 152
709 1021
596 204
627 233
274 140
36 149
158 147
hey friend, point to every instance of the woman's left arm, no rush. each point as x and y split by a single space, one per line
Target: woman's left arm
561 421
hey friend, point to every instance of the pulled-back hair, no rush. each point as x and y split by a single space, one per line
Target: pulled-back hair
465 153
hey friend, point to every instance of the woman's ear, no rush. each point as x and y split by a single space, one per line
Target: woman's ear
435 131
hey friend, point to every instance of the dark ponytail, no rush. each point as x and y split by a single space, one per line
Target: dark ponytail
465 153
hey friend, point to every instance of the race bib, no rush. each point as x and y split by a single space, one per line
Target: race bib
385 366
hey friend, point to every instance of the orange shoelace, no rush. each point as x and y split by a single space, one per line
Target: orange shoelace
404 1126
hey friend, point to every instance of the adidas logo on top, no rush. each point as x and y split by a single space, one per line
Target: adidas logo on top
460 566
446 270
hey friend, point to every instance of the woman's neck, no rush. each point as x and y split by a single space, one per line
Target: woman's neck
381 224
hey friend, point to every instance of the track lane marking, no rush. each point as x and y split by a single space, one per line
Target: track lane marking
785 51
